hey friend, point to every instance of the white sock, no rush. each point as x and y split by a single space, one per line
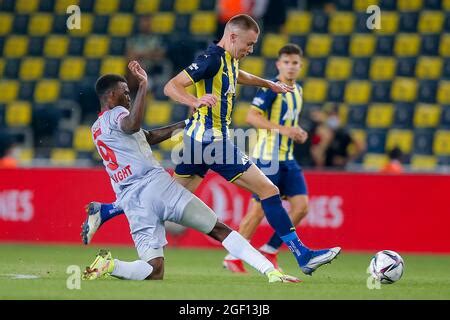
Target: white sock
240 248
268 249
136 270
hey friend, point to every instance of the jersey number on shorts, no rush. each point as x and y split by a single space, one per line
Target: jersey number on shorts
107 155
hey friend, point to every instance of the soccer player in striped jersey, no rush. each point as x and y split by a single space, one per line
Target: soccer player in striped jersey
207 143
271 113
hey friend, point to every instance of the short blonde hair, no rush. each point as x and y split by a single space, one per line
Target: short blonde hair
243 22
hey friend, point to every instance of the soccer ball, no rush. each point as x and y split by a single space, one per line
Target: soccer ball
386 266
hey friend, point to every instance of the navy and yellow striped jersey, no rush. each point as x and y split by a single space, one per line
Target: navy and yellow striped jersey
214 72
280 108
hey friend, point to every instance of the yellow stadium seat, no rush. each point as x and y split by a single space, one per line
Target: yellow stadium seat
362 45
357 92
15 47
146 6
272 43
82 139
359 135
6 22
443 94
40 24
31 69
404 89
72 68
341 22
9 90
18 114
338 68
204 22
374 161
380 115
62 5
446 5
25 156
26 6
116 65
441 143
402 139
407 45
315 90
382 68
427 116
318 45
362 5
106 6
423 163
87 23
186 6
444 46
96 46
46 91
254 65
389 22
409 5
2 66
240 114
158 113
163 22
298 22
343 110
120 25
431 22
429 67
62 157
56 46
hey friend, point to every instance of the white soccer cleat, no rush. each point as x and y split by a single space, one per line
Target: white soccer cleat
319 258
92 222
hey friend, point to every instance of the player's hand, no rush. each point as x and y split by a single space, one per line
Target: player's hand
208 100
137 71
280 87
301 137
295 133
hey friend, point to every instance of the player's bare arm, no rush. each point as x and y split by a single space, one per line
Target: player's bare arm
249 79
256 119
158 135
176 90
132 123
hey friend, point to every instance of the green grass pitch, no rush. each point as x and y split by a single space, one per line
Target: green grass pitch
197 274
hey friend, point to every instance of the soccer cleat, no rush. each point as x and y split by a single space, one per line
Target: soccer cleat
272 257
101 268
92 223
277 276
318 258
234 265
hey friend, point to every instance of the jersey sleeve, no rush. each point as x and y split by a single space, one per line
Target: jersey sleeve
115 116
205 66
263 99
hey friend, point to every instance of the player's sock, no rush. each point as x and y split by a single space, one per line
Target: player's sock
230 257
136 270
279 220
108 211
275 242
240 248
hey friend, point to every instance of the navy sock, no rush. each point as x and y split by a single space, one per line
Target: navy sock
275 241
108 211
278 218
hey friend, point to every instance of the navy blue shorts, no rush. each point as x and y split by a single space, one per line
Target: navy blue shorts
221 156
289 179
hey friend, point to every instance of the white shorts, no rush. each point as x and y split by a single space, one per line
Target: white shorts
147 204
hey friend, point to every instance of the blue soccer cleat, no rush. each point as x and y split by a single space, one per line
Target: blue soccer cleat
316 258
92 222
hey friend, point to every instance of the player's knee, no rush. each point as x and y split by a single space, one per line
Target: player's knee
268 190
158 269
220 231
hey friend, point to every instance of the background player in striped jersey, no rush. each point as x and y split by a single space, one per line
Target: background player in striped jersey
276 117
207 143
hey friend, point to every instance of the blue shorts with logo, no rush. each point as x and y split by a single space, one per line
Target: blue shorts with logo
289 179
221 156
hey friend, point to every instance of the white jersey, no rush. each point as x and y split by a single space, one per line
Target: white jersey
127 157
